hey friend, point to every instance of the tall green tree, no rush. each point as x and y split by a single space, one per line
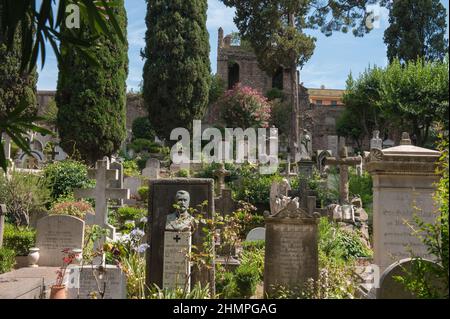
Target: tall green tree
410 97
177 68
276 31
91 98
417 29
39 17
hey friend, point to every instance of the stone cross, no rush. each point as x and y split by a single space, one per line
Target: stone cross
376 142
53 153
221 173
343 162
2 222
101 193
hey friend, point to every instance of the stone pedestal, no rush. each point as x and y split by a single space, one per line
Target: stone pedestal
403 186
176 266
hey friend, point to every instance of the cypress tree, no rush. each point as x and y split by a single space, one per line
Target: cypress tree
91 98
15 84
177 69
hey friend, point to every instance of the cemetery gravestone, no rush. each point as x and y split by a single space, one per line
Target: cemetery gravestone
291 256
403 186
84 281
255 234
376 142
391 288
56 233
176 268
152 168
225 204
333 144
118 183
161 199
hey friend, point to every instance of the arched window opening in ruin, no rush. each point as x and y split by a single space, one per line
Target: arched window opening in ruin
233 75
277 79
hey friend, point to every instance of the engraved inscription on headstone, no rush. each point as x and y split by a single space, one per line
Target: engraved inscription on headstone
176 269
56 233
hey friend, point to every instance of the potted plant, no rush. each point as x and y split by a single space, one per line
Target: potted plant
59 289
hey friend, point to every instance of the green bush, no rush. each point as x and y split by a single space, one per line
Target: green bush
207 171
143 193
130 168
144 145
19 239
183 173
226 286
361 186
24 194
341 244
7 260
247 278
253 256
254 187
130 213
142 129
65 176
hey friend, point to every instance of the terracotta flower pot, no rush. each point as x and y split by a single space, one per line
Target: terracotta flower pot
58 292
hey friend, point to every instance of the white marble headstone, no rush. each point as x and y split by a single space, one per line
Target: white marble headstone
176 267
56 233
258 233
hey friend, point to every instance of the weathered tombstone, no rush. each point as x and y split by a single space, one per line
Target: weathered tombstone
291 256
321 157
278 190
161 199
391 288
118 183
101 193
56 233
258 233
133 183
88 282
152 168
403 185
225 204
2 222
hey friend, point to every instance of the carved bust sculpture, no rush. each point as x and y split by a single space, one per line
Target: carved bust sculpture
180 220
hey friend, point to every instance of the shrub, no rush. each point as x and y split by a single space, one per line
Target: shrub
144 145
24 194
143 193
253 255
247 278
130 213
19 239
244 107
361 186
7 259
254 187
73 208
130 168
226 286
65 176
207 171
142 129
183 173
338 243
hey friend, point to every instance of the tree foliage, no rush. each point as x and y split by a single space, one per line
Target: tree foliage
411 97
177 67
92 98
417 29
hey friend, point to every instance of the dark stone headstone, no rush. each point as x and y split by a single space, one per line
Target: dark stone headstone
225 204
161 199
391 288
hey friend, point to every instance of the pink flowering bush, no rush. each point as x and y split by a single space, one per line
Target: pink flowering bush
244 107
73 208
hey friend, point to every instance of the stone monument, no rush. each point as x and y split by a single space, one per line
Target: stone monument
291 256
56 233
164 218
403 185
152 168
2 222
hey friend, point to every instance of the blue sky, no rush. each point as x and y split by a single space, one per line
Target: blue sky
334 58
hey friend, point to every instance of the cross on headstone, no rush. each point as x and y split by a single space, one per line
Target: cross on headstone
177 238
53 153
2 222
344 161
101 193
221 173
